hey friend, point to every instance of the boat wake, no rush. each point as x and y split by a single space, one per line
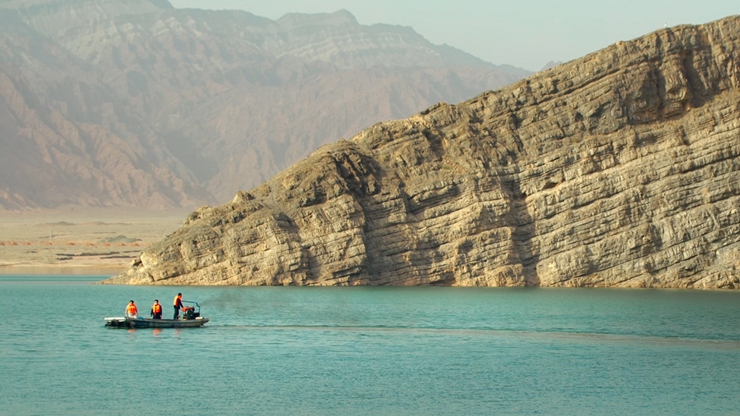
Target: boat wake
533 335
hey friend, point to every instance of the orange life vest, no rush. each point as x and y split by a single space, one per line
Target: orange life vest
131 309
157 308
178 301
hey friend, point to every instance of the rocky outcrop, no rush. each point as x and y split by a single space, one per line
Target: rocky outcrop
618 169
136 103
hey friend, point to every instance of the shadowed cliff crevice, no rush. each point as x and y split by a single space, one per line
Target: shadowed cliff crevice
522 236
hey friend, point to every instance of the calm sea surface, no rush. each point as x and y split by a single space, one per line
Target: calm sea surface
374 351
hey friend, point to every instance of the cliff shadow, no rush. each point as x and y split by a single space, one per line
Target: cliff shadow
523 229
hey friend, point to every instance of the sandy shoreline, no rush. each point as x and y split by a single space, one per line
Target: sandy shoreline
88 270
100 242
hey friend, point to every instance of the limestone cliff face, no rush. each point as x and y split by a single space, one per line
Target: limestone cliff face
618 169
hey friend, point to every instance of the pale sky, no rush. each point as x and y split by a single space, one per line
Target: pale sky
523 33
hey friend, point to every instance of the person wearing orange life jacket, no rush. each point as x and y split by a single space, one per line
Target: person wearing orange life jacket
156 310
178 305
131 310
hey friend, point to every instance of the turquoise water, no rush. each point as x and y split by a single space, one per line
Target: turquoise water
374 351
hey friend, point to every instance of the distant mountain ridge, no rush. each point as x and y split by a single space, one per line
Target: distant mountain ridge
136 103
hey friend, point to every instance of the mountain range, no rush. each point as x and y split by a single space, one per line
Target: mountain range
136 103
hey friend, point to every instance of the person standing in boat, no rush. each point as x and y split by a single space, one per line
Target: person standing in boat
156 310
178 305
131 310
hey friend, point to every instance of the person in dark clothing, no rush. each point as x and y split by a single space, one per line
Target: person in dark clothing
178 305
156 310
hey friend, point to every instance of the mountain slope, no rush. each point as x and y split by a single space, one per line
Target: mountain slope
621 168
189 100
68 139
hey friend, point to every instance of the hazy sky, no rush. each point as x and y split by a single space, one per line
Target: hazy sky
524 33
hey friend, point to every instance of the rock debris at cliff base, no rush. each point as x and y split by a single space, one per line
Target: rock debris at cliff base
619 169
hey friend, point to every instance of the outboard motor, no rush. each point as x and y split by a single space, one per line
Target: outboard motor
189 312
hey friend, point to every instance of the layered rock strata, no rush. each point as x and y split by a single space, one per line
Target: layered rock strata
618 169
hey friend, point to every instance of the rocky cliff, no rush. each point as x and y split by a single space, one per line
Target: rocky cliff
618 169
136 103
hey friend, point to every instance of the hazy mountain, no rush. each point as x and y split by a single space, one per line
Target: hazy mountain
134 102
551 64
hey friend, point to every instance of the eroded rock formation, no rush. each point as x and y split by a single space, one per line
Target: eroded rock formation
618 169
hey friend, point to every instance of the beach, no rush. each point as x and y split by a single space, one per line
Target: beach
79 241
